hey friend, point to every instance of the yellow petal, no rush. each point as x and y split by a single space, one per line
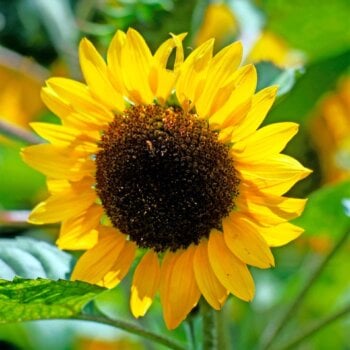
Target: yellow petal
120 267
64 205
46 157
96 75
56 186
162 54
220 70
114 59
212 290
243 239
64 136
95 263
78 96
261 104
238 103
145 284
192 74
162 80
268 209
265 142
230 271
276 174
58 106
282 234
136 64
178 289
79 233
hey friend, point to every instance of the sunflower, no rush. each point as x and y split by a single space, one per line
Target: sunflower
165 162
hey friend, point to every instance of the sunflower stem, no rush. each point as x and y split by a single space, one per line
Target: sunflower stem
210 329
271 334
190 329
222 326
315 327
133 329
15 132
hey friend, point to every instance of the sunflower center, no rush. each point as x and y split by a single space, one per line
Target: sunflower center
163 177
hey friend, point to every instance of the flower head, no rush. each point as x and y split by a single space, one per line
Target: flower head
190 185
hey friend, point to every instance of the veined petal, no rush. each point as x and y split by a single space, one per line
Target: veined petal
78 233
237 105
55 186
55 103
114 59
162 80
95 73
279 235
243 239
64 205
178 288
265 142
145 284
268 209
261 104
212 290
97 262
162 54
136 63
120 267
46 157
64 136
192 74
78 96
220 70
275 175
230 271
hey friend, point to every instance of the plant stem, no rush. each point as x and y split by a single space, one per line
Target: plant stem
15 132
133 329
16 218
271 334
313 328
222 327
210 331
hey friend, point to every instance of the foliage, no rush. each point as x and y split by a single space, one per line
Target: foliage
27 300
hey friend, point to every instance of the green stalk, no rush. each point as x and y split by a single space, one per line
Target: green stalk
271 334
315 327
133 329
15 132
210 331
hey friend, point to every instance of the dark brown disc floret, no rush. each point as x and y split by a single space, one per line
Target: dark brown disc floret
163 177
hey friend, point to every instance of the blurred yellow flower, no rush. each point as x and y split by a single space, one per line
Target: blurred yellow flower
193 186
20 88
219 22
269 47
100 344
331 133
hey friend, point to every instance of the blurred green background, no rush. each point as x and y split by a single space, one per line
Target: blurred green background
303 46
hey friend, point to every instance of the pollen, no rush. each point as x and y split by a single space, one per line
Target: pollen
164 178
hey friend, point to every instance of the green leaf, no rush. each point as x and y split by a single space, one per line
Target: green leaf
324 213
318 27
30 258
319 78
269 74
28 300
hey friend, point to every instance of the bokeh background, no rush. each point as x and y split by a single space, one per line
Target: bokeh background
303 46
